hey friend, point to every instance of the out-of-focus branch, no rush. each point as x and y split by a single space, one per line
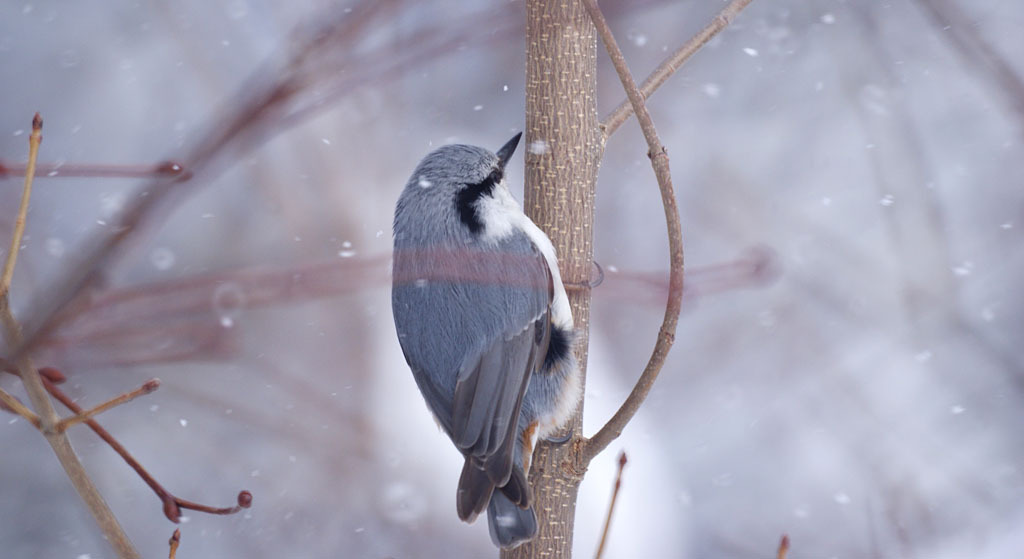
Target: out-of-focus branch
673 62
611 506
659 161
30 378
965 37
165 169
783 550
263 104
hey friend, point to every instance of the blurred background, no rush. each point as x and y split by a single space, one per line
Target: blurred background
847 370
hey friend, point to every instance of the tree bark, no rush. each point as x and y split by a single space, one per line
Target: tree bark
564 148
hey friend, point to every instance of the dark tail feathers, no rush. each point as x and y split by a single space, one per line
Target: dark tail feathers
474 490
509 524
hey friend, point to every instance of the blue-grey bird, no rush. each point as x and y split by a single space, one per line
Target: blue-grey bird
485 325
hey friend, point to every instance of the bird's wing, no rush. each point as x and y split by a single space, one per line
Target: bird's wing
493 377
471 322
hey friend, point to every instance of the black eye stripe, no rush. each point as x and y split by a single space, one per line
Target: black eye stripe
465 200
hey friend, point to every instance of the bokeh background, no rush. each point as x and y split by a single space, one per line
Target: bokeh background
848 368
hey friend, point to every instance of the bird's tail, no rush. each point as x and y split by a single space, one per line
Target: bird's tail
509 524
474 490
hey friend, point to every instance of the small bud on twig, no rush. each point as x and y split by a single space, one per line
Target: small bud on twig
174 542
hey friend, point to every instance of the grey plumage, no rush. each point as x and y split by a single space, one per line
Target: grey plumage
474 318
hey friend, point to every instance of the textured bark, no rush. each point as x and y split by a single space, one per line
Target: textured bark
564 148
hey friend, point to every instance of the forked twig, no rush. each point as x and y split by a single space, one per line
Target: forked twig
673 62
33 383
659 161
172 504
611 506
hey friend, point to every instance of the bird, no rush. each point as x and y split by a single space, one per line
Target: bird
485 325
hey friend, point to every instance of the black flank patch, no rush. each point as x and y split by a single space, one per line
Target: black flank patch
465 200
558 348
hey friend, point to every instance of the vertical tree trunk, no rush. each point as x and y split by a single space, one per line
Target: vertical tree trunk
564 148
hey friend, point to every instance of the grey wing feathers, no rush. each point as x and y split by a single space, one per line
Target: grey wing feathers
472 342
490 388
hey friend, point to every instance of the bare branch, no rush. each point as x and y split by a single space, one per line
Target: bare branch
247 125
9 403
147 387
19 222
611 506
659 161
51 170
673 62
172 504
783 550
174 542
30 378
980 55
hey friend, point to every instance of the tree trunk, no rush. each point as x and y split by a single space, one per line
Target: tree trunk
564 148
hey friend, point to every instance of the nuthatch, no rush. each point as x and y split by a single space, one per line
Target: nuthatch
485 325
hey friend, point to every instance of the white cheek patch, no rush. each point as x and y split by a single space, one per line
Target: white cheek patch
499 212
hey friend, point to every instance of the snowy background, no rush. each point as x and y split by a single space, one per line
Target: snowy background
866 396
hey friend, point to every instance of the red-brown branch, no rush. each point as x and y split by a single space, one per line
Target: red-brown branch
172 504
659 161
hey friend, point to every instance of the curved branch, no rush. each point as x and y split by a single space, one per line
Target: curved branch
659 161
664 71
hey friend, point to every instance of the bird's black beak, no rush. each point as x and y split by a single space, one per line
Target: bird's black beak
506 151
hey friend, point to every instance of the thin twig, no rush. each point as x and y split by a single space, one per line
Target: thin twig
174 542
146 388
19 222
30 378
783 547
10 403
659 161
673 62
611 506
171 503
100 170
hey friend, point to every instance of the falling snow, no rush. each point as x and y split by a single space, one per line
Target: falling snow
538 147
55 247
162 258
